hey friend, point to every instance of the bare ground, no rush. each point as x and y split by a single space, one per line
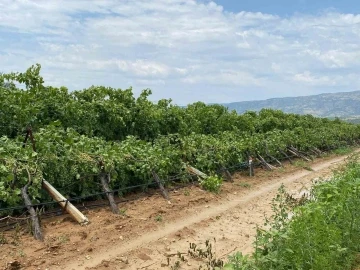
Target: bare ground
152 231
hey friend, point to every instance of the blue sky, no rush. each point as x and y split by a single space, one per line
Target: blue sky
187 50
289 7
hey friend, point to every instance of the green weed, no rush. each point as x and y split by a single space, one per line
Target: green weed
302 164
158 218
63 239
21 253
211 183
343 150
123 211
244 184
3 239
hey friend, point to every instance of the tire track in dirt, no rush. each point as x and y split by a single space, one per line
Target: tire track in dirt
232 222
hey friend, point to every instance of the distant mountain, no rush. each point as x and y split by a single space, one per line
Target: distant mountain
345 105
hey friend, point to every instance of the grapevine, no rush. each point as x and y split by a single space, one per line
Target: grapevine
81 134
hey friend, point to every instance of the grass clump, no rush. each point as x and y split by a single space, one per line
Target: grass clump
343 150
212 183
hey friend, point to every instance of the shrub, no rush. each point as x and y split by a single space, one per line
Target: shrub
212 183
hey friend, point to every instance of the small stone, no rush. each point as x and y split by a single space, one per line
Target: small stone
105 263
15 265
123 259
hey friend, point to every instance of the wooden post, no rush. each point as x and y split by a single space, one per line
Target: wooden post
282 152
68 206
251 167
307 155
270 156
295 152
35 223
267 165
226 174
315 152
318 150
196 172
105 179
303 154
162 189
276 160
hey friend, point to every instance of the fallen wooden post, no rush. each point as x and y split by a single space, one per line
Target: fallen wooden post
162 189
105 179
64 203
196 172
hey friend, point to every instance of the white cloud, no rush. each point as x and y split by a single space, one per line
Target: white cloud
308 78
225 77
137 67
172 45
338 58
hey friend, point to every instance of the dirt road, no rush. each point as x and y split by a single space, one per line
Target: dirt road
155 231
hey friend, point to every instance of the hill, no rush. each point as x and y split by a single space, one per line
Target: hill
344 105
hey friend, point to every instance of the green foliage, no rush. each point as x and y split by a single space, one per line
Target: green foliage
238 261
343 150
212 183
3 239
114 114
101 129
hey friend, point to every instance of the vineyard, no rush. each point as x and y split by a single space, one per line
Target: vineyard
100 140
